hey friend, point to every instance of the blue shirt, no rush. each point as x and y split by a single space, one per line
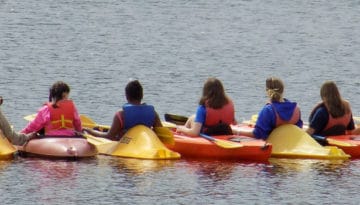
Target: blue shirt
320 118
200 116
266 121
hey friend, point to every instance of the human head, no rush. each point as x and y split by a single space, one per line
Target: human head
213 93
57 91
274 88
329 92
134 91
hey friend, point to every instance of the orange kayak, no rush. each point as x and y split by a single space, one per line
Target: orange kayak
353 149
58 147
249 149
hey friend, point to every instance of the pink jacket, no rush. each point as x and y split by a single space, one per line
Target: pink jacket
42 120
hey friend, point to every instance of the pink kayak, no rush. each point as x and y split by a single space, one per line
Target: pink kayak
58 147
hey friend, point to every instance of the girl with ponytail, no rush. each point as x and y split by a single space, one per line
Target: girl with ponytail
59 116
276 112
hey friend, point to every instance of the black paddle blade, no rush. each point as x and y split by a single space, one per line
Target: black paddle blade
176 119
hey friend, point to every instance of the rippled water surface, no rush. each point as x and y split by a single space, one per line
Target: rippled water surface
172 47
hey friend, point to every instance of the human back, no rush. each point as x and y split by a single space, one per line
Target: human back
333 115
277 111
214 114
59 116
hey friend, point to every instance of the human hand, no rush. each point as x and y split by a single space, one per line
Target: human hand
31 136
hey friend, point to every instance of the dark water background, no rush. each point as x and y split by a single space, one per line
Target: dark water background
172 47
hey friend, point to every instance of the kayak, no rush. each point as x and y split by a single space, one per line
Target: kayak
7 150
138 142
247 149
58 147
353 141
290 141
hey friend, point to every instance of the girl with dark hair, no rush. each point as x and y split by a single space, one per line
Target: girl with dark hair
58 117
133 113
333 115
276 112
214 114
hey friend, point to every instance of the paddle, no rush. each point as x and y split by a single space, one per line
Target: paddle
164 134
96 140
90 123
325 140
222 143
176 119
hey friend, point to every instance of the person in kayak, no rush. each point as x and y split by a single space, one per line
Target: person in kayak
215 112
276 112
333 115
59 116
14 137
133 113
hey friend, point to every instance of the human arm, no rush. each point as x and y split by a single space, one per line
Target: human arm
318 121
194 124
14 137
42 117
157 122
265 123
114 130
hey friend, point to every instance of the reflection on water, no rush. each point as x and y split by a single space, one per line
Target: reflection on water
138 166
96 46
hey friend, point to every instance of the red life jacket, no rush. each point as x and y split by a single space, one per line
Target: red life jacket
223 115
293 120
62 116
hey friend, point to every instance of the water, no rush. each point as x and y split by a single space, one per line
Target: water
172 47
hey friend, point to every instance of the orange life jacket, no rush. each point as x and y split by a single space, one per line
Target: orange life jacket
222 115
293 120
335 126
340 121
62 116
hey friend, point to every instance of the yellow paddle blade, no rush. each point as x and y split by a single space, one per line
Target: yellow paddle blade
96 140
87 122
165 135
168 124
339 143
291 141
141 142
227 144
30 117
6 148
222 143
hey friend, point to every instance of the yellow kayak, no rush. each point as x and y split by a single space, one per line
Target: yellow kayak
289 141
139 142
7 150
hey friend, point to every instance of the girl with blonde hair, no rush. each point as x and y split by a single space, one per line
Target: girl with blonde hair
276 112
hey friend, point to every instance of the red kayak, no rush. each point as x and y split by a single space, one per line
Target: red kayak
244 149
58 147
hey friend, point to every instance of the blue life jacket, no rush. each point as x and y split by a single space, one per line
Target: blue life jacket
138 114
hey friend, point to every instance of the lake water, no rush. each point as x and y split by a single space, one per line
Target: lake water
172 47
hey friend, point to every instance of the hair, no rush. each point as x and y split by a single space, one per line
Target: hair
213 94
56 92
134 91
332 99
275 88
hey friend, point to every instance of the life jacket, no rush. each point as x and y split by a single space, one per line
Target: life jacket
336 126
218 120
138 114
293 120
62 116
